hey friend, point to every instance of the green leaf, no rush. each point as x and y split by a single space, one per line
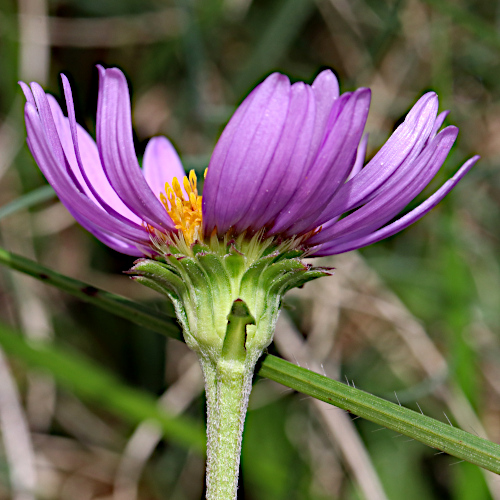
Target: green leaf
94 384
429 431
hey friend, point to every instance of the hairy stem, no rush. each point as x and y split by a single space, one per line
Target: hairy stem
226 410
228 384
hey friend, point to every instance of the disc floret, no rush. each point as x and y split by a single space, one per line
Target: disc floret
184 207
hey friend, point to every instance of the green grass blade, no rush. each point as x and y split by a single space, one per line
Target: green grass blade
427 430
94 384
34 197
135 312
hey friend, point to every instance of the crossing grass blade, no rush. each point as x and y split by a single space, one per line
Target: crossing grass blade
427 430
121 306
441 436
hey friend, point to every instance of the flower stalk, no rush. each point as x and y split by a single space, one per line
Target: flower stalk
228 386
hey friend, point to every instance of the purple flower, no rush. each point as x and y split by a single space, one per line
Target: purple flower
288 165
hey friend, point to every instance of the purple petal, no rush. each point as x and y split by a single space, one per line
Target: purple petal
437 125
326 92
243 154
48 151
82 155
326 88
121 245
214 174
287 164
360 157
331 166
27 93
58 137
64 134
116 149
47 121
358 165
439 122
161 164
41 140
402 148
405 221
401 188
304 133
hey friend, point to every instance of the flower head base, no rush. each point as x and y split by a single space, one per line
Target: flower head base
204 287
184 208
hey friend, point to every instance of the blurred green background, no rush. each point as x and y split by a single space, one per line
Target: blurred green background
414 318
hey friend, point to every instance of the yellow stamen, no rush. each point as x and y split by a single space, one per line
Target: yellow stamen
192 178
184 207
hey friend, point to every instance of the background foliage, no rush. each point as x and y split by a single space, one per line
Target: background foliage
414 318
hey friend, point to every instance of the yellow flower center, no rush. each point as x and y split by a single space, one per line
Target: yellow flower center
184 207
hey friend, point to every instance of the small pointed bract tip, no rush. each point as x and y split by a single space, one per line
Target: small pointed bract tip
239 309
139 260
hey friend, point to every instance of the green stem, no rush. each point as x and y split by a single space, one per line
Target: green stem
210 375
228 384
225 420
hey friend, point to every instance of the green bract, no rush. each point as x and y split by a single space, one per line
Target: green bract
205 285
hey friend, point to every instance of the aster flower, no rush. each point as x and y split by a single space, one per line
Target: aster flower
287 167
289 162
